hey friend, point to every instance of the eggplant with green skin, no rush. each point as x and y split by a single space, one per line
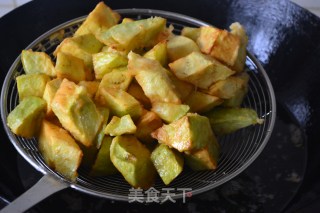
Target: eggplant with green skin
132 159
158 53
82 47
226 120
133 35
31 85
153 79
59 150
205 158
117 79
37 62
119 102
180 46
70 67
169 112
120 126
105 62
49 93
76 112
25 120
190 132
103 165
200 70
147 123
90 153
201 102
168 162
191 32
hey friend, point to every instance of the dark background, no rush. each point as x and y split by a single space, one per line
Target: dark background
286 40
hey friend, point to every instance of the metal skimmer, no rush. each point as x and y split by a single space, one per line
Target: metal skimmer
238 150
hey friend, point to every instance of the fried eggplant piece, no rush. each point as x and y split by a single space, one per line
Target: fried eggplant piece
200 70
169 112
147 123
190 132
201 102
120 126
77 112
168 162
205 158
158 53
37 62
82 47
238 30
180 46
31 85
153 79
70 67
105 62
25 120
101 18
133 35
59 150
49 93
117 79
119 102
103 165
225 120
191 32
133 161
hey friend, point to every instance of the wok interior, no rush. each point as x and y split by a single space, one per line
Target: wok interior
238 150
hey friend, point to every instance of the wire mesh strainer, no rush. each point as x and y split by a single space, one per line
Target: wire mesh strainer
238 150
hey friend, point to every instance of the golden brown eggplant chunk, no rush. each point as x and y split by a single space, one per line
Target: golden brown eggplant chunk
220 44
25 120
184 88
90 153
205 158
101 18
117 79
119 102
90 86
82 47
59 150
76 112
105 62
239 95
190 132
133 35
158 53
200 70
180 46
148 122
227 88
103 165
120 126
168 162
153 79
207 38
133 161
201 102
136 91
169 112
238 30
37 62
70 67
49 93
31 85
191 32
226 120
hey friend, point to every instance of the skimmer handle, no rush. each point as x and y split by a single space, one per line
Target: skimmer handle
45 187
